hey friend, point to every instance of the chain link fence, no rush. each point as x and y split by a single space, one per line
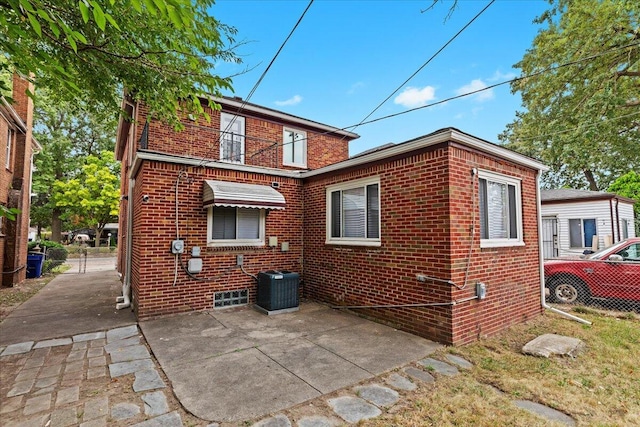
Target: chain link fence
54 257
609 278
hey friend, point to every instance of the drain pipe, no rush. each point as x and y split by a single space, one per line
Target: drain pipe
541 261
125 300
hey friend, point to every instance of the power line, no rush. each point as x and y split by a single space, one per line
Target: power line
535 74
426 63
262 76
584 126
276 143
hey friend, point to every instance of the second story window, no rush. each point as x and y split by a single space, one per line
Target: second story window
294 148
8 149
232 134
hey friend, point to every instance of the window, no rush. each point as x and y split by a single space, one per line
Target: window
353 213
8 149
231 226
294 148
500 210
624 225
631 253
581 232
231 138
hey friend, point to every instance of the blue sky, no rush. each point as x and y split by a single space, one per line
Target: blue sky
348 56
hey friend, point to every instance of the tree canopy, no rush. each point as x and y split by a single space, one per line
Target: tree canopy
91 199
582 101
68 133
628 185
162 51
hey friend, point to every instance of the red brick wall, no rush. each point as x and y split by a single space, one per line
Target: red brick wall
16 191
6 177
427 201
154 229
511 274
263 141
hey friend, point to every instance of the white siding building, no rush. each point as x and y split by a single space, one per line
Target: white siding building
577 220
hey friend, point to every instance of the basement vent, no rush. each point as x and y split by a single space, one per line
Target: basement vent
230 298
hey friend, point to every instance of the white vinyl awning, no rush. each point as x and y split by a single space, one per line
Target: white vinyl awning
235 194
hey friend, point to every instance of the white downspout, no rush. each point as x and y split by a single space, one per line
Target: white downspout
125 300
541 260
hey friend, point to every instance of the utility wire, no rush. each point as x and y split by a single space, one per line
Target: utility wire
584 126
276 143
262 76
425 64
535 74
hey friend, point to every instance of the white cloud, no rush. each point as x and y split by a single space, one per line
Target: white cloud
475 85
413 97
294 100
500 77
355 87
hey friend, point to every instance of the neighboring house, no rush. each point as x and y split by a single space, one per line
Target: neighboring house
571 219
417 223
19 146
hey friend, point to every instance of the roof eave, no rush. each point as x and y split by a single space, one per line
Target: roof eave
141 156
282 116
122 132
594 198
13 114
427 141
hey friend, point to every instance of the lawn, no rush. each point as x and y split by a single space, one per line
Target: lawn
600 387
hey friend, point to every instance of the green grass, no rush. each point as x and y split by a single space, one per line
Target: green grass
600 387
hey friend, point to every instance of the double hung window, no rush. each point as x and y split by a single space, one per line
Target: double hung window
8 148
500 210
234 226
294 148
353 213
232 136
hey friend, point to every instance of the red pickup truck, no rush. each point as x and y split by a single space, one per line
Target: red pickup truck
611 273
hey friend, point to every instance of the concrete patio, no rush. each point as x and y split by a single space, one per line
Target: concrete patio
239 364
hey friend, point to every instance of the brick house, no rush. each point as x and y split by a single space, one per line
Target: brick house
403 233
19 146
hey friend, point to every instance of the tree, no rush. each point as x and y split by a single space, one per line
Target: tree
68 133
162 51
628 185
582 102
92 199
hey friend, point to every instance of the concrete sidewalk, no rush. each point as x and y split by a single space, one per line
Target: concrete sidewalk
70 304
239 364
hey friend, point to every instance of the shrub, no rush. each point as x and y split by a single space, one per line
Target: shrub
45 244
56 254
